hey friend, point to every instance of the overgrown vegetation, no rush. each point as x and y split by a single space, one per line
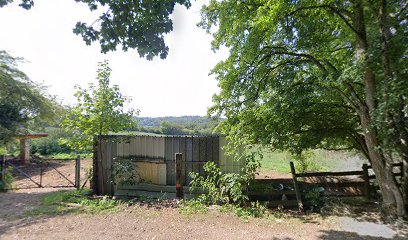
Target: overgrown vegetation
125 172
225 189
6 183
63 202
51 144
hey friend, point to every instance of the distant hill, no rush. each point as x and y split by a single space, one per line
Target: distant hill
183 120
184 125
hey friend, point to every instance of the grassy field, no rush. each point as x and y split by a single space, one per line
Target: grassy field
318 160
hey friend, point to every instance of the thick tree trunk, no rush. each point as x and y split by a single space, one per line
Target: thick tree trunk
392 196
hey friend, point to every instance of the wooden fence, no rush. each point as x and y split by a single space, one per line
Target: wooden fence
340 184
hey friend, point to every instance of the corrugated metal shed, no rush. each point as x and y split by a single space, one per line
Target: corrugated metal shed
154 157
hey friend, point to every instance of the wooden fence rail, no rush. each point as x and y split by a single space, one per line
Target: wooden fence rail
364 175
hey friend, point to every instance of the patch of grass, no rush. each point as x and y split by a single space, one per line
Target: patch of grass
63 202
322 160
254 210
192 206
276 161
3 150
68 155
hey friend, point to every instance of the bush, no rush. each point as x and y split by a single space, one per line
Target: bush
52 144
220 188
125 172
8 179
314 198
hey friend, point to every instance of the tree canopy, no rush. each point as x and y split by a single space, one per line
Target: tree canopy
99 110
307 74
23 103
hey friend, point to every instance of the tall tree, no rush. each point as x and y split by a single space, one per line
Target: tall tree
307 74
99 110
23 103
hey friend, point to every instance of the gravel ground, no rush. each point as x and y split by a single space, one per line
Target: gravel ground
142 222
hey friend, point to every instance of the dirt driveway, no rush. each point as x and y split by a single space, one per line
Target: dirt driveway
139 222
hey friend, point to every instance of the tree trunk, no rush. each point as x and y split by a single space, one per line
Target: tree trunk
392 196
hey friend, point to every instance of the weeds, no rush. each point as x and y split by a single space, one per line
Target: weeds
254 210
8 179
63 202
193 206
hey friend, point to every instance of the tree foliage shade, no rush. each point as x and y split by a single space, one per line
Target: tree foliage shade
307 74
99 110
23 103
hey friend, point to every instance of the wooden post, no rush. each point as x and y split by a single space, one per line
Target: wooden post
78 172
179 175
41 173
366 182
296 186
402 170
25 150
3 169
94 180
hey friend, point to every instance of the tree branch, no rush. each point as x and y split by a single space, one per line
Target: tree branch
303 55
354 95
331 9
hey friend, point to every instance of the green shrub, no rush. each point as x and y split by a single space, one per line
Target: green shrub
193 206
125 172
8 179
314 198
220 188
51 144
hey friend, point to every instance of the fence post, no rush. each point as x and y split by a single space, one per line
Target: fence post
41 173
78 172
3 169
179 175
366 182
296 186
94 180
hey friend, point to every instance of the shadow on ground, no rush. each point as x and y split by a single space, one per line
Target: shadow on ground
15 205
339 235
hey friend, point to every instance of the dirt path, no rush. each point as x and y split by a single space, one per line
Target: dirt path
139 222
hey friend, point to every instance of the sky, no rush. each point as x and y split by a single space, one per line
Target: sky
55 56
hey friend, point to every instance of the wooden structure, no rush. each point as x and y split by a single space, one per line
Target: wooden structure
25 145
338 184
154 157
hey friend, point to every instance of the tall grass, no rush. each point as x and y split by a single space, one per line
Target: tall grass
319 160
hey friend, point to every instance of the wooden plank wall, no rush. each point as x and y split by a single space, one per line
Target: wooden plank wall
196 151
106 150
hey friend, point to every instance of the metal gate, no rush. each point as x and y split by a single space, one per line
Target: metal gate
41 173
